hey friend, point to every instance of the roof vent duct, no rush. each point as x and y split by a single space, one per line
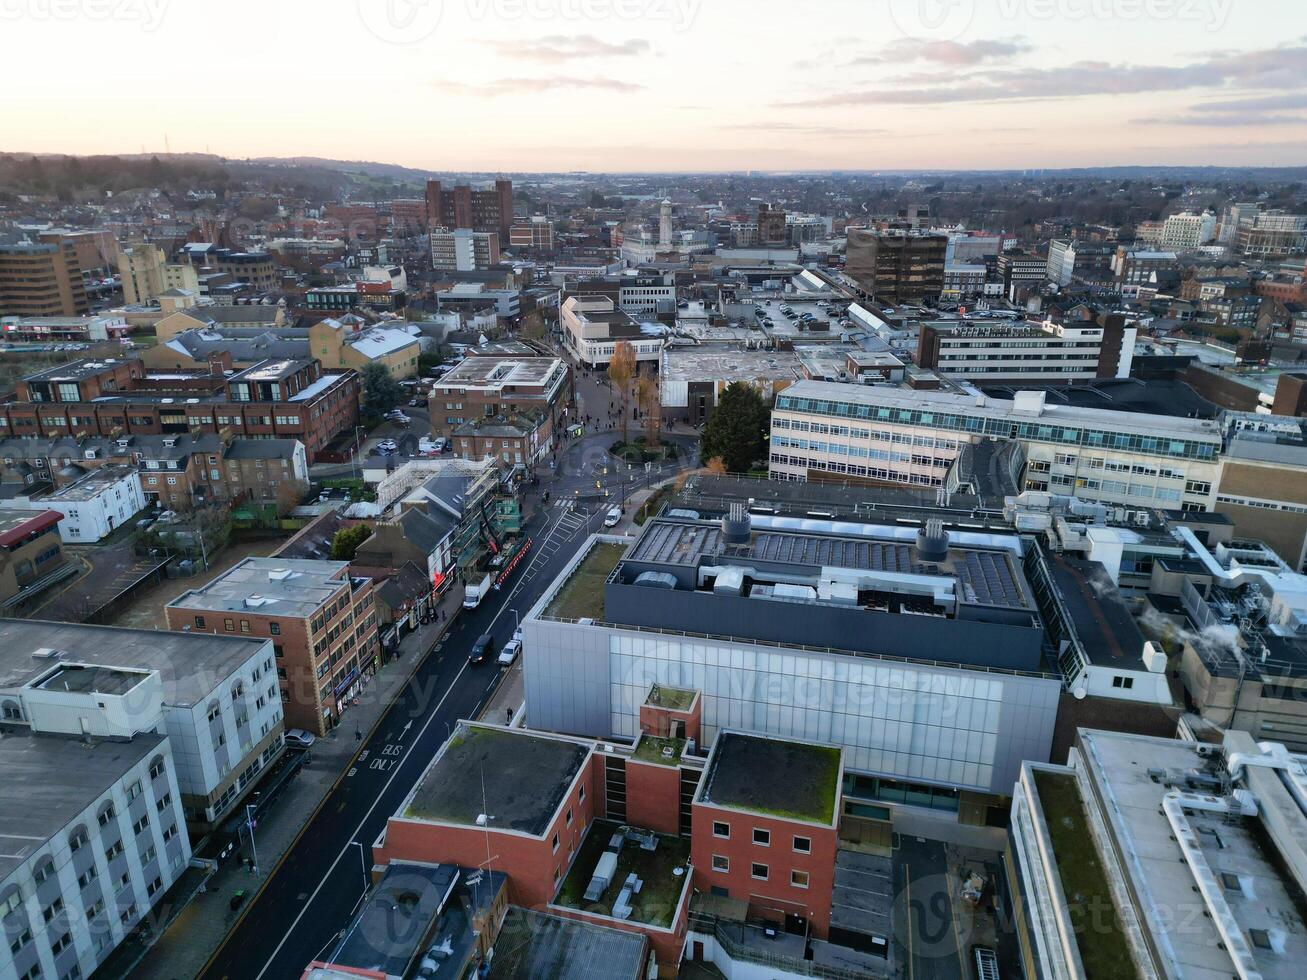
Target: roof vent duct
736 525
932 542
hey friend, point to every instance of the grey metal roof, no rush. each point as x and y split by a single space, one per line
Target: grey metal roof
536 946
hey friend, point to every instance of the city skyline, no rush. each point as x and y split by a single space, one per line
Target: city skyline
672 85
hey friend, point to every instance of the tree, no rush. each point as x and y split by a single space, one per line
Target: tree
649 399
533 326
381 392
715 467
736 428
621 369
345 543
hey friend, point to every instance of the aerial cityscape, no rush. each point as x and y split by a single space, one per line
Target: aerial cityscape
616 489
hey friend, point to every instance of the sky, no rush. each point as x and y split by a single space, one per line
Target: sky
664 85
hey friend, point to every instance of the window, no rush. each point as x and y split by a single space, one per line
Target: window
721 829
33 973
44 872
141 824
803 845
569 816
87 876
157 768
78 839
199 622
19 941
581 795
106 814
1123 682
53 909
245 625
229 625
720 862
134 790
274 629
62 943
762 837
113 850
799 879
759 871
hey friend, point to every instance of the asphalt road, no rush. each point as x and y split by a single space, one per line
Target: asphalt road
313 893
925 925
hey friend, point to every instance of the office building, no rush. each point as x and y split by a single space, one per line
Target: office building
1078 348
535 234
321 620
772 228
1272 234
1159 857
34 558
214 697
1140 267
94 505
146 272
461 206
64 329
41 280
896 267
464 250
1072 260
1017 270
890 436
1262 485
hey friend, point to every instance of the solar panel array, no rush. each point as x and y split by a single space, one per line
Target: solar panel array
812 549
987 578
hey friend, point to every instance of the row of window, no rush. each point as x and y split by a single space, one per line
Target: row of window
762 837
762 872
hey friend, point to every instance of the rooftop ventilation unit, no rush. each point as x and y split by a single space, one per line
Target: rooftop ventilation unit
279 574
736 525
932 542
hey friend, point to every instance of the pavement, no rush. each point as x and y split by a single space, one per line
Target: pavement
318 861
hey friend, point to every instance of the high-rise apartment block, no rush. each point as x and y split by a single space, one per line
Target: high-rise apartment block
895 266
41 280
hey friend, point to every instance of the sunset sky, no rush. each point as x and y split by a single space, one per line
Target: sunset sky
537 85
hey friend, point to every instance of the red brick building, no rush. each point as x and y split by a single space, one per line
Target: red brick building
272 399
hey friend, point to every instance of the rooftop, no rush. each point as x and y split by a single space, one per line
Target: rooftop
534 946
1003 410
295 587
16 524
92 485
495 372
659 861
517 778
672 698
50 780
190 665
660 751
397 918
772 776
582 595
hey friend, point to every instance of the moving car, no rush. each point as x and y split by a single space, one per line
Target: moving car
511 649
613 517
481 648
298 738
386 446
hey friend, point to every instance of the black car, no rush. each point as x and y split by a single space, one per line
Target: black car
481 648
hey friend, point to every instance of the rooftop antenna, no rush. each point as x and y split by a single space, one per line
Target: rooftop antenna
484 820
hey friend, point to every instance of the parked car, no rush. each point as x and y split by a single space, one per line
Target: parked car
511 649
613 517
298 738
481 648
418 402
387 446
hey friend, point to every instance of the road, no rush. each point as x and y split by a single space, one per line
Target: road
925 924
311 896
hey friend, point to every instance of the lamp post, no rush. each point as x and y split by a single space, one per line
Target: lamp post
249 823
363 862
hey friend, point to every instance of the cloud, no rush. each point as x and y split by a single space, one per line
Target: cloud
807 129
909 49
1258 104
1272 68
543 83
1225 119
559 48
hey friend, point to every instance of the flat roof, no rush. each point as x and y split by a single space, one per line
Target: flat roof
536 946
92 485
1109 634
496 371
16 524
397 917
1257 891
517 778
772 776
190 665
887 396
660 862
294 587
728 363
76 370
49 780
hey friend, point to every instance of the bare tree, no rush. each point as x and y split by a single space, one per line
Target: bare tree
621 369
648 397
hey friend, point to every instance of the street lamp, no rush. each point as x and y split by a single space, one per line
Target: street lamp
363 861
249 823
358 449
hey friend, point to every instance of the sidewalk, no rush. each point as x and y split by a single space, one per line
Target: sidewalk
199 930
